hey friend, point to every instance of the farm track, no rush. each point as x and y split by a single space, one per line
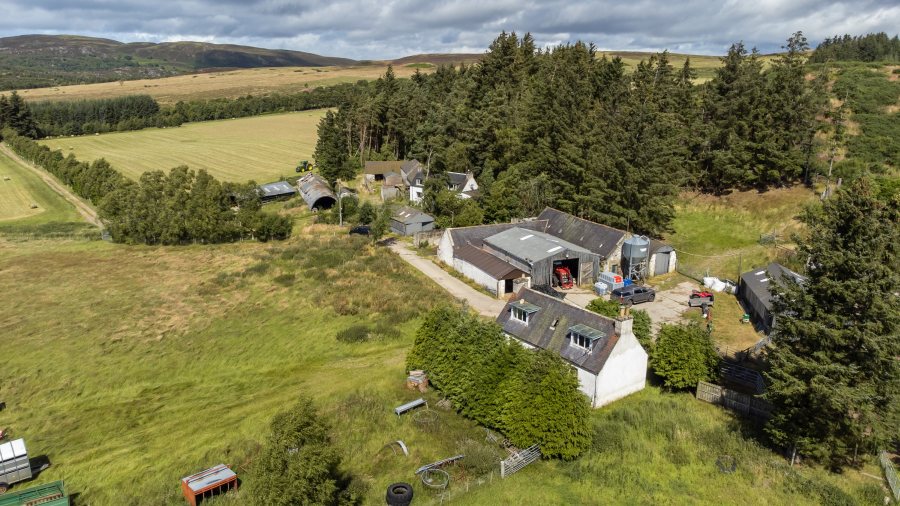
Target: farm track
89 214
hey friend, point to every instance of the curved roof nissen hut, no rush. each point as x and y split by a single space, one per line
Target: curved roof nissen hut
316 192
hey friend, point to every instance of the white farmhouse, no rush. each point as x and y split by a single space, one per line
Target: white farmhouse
610 361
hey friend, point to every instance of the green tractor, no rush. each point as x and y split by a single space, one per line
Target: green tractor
304 166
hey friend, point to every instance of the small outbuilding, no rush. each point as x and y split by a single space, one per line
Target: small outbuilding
316 192
277 190
607 356
493 274
208 483
754 292
408 221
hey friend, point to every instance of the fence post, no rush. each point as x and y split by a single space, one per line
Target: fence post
502 469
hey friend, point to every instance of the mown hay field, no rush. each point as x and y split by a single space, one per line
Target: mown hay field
23 189
261 148
225 84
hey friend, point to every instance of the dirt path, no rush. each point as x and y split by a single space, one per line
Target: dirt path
485 305
83 209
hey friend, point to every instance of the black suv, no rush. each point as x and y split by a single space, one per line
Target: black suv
633 294
360 230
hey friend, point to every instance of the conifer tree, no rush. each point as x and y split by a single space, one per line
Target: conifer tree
835 378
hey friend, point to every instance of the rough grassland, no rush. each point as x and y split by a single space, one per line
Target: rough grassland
23 189
131 367
262 148
230 84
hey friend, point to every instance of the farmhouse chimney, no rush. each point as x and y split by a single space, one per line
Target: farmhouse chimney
624 325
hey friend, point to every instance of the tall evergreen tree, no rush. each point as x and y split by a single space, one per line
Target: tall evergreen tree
835 375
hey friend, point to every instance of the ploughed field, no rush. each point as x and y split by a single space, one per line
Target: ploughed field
261 148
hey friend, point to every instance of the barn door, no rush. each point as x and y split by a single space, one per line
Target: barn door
662 264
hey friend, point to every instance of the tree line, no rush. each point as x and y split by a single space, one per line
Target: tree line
180 207
532 397
872 47
135 112
564 128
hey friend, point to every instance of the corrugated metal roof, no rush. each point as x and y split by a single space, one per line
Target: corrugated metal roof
315 191
594 237
549 326
758 281
276 189
487 263
530 245
381 168
588 332
475 236
407 215
209 477
524 305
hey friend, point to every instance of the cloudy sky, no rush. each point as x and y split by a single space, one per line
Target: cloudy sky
392 28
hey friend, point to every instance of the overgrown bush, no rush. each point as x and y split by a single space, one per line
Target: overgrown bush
684 355
530 396
298 464
641 325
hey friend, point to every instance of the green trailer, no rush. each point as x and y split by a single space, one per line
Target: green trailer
51 494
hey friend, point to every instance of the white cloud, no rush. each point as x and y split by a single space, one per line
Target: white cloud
394 28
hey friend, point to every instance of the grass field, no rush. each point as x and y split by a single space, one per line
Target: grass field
229 84
52 214
262 148
721 235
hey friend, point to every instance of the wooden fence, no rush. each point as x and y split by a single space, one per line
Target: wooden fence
519 460
744 404
890 473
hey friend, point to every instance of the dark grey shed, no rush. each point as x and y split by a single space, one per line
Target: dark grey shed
316 192
475 235
273 191
537 253
408 221
754 292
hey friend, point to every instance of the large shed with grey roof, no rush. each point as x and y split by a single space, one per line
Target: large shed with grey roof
277 190
610 361
754 292
537 254
605 241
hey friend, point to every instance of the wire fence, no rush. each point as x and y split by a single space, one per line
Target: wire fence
890 473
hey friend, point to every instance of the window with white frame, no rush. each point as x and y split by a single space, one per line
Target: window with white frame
580 341
520 314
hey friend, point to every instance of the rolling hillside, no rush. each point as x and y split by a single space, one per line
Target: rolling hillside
31 61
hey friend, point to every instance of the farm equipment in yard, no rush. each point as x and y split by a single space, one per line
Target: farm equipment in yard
563 277
51 494
699 298
303 166
15 465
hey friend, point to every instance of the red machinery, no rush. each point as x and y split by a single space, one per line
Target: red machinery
563 277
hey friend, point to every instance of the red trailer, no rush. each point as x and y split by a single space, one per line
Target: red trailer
215 480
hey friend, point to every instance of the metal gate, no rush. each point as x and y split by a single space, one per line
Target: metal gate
519 460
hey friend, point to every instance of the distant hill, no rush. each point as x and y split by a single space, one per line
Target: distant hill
33 61
439 59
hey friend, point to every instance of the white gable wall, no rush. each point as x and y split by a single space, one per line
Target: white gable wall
625 371
445 248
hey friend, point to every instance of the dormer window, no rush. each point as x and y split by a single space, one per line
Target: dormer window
521 311
418 182
584 337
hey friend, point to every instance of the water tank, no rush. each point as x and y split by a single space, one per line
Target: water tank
636 249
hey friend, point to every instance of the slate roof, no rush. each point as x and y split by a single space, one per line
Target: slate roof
530 245
407 215
458 178
276 189
538 332
382 168
758 281
475 235
597 238
487 263
393 179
